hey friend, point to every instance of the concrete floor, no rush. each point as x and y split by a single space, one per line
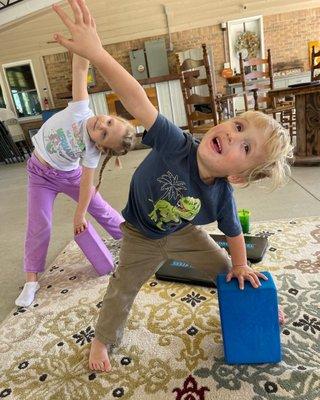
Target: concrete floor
299 198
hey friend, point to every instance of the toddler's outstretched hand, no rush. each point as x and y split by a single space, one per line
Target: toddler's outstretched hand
244 272
85 40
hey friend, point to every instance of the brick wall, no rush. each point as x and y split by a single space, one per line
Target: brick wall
287 35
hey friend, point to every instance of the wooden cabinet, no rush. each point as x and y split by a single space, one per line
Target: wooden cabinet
307 105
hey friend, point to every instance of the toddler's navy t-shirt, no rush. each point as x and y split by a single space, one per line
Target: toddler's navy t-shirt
167 193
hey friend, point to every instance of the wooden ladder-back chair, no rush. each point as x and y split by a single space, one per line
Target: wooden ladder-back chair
257 79
189 71
315 65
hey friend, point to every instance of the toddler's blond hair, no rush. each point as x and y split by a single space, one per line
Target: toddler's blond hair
278 150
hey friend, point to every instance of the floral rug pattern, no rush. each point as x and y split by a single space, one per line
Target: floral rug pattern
172 347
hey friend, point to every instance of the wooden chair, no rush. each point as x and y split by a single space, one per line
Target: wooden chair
257 80
189 71
315 65
203 111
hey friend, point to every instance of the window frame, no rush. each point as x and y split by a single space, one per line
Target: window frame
4 91
17 64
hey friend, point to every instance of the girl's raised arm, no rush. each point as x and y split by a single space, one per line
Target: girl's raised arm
85 41
80 68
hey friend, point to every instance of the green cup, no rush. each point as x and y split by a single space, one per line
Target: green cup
244 217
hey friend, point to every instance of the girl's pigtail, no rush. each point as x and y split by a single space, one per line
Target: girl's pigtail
104 163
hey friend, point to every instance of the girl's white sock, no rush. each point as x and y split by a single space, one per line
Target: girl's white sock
27 295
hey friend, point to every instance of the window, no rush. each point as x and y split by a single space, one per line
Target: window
23 90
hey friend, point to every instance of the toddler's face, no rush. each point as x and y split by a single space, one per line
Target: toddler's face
106 131
231 148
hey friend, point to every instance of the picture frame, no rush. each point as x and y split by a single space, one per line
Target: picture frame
316 44
91 77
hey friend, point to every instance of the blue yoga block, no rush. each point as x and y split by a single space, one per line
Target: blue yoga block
249 321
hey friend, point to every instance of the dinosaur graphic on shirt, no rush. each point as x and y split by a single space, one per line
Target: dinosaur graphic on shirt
165 213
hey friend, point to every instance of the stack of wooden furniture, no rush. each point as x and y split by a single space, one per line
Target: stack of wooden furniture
14 146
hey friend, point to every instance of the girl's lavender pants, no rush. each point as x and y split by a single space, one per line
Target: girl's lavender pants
44 183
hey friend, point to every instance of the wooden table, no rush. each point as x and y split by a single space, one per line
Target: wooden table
307 104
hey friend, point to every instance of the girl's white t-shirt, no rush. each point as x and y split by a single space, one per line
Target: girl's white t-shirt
63 139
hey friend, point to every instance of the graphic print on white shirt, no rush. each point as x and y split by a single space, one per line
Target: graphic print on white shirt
65 143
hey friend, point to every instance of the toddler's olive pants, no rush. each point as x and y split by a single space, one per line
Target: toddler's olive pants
139 259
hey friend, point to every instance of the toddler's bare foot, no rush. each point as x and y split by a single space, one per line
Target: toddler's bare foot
98 358
281 316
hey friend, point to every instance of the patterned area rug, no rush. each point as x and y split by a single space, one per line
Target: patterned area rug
172 347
